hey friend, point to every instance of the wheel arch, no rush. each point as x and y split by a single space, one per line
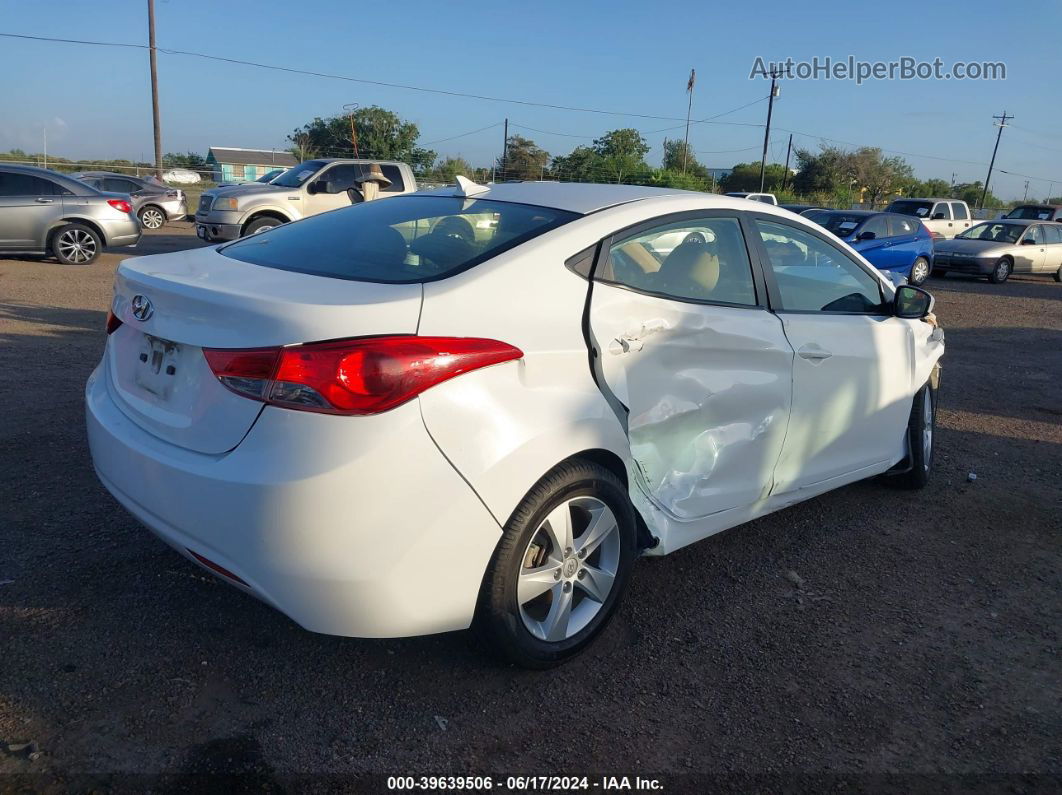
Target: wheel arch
263 213
74 220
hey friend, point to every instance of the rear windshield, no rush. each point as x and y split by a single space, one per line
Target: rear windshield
916 208
841 224
401 240
1032 212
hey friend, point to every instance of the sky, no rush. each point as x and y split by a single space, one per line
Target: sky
628 57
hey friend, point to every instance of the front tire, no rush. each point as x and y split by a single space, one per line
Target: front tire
561 568
261 225
1000 272
919 271
921 429
76 244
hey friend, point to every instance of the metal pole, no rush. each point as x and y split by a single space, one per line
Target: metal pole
1002 124
767 132
689 108
154 89
785 174
1026 196
505 149
45 128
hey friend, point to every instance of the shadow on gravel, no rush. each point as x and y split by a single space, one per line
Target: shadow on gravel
1015 287
72 319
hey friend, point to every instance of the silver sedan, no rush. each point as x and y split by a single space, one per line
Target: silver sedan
999 248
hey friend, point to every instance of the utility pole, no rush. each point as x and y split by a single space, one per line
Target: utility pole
785 174
767 132
350 107
1026 196
1002 123
154 88
45 128
505 149
689 108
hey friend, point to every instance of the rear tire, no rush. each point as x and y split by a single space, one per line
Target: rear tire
919 271
76 244
1000 272
261 225
921 429
151 217
1058 275
561 567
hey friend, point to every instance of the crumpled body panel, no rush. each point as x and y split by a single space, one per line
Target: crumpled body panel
707 390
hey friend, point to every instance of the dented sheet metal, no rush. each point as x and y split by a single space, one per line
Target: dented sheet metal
707 391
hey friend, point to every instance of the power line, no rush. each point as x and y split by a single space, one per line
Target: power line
347 78
463 135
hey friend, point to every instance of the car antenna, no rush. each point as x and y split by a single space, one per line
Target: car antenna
466 187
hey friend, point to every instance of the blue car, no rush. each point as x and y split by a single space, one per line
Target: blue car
890 242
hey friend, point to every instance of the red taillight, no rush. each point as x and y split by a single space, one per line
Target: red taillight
216 567
121 205
112 322
360 376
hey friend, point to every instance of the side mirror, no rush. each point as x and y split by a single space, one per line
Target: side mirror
317 186
912 303
866 236
938 217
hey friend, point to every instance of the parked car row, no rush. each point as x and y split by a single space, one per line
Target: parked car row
44 212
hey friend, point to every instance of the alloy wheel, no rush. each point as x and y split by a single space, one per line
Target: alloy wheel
920 271
77 245
152 218
927 429
568 568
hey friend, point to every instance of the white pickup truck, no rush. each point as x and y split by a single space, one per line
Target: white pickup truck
312 187
944 218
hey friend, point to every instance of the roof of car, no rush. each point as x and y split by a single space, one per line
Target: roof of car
576 197
104 174
47 173
1021 221
1036 204
926 199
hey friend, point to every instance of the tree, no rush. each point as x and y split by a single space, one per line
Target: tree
878 176
452 167
580 165
380 133
746 177
673 159
970 192
621 153
672 178
825 172
523 160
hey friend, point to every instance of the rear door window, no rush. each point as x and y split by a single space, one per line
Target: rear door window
696 259
902 227
403 240
1053 233
959 209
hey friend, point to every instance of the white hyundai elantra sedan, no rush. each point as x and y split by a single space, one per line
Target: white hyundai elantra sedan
477 406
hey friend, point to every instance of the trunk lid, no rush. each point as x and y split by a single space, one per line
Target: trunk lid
196 299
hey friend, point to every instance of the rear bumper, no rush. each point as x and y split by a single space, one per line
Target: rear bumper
120 232
349 525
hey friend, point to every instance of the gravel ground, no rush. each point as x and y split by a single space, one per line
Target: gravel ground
870 638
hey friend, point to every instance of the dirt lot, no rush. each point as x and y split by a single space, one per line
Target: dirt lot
921 650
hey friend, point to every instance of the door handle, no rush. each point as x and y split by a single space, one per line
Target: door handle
813 353
44 201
